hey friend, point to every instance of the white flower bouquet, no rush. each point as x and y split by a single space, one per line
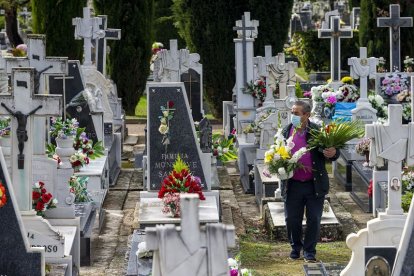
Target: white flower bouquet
280 160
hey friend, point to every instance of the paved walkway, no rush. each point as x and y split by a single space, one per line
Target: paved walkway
110 246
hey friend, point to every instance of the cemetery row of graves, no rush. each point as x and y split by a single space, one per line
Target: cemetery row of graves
63 130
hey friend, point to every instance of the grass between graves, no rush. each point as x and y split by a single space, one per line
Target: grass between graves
141 108
300 71
272 258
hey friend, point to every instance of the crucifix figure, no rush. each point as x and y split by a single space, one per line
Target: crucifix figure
363 68
36 57
394 23
21 131
389 142
22 103
87 28
335 33
248 28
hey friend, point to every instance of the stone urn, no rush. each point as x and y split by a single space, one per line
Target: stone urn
64 148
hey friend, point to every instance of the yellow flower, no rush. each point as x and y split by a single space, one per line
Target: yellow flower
163 129
284 154
268 157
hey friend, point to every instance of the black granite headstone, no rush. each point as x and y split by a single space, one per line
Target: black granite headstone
14 258
181 138
76 105
192 85
388 253
110 34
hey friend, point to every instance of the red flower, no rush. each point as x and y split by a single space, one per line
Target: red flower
3 198
41 184
39 206
370 188
46 197
35 195
263 90
43 190
170 104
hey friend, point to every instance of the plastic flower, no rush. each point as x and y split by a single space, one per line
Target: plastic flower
3 197
42 200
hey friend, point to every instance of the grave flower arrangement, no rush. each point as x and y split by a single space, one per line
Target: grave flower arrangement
280 160
407 180
20 50
329 98
317 91
335 134
86 146
362 148
3 197
78 160
394 83
63 128
180 180
42 200
223 148
347 93
5 126
378 103
235 270
77 186
257 89
381 65
408 64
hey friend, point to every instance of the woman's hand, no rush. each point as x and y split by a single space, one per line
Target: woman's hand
329 152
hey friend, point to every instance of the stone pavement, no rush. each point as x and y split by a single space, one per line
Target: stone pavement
110 247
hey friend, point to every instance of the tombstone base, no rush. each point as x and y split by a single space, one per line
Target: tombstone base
274 218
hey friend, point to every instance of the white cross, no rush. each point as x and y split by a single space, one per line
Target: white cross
87 28
282 73
262 71
36 58
390 142
335 33
363 68
22 99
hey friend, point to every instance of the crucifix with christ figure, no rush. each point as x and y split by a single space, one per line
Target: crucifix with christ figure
22 103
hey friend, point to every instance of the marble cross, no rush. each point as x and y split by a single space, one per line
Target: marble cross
36 57
282 74
394 23
87 28
363 68
109 34
203 250
23 101
335 33
389 141
167 64
262 63
245 28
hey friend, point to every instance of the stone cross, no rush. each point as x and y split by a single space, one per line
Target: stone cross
167 64
394 23
36 57
363 68
282 74
109 34
284 105
335 33
245 28
202 249
87 28
262 71
23 100
389 141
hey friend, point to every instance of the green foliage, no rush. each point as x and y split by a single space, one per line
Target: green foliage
406 201
2 22
274 20
298 90
129 58
314 53
224 148
54 19
164 27
180 165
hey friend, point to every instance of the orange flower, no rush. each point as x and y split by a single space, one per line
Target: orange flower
3 198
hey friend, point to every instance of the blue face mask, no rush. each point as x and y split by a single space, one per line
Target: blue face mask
295 120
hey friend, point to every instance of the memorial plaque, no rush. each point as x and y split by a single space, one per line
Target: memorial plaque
175 137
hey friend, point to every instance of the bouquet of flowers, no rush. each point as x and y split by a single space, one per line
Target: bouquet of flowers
279 159
42 200
329 98
223 148
317 91
234 268
78 160
363 146
347 93
180 180
381 65
378 103
5 126
406 111
257 89
86 146
335 134
407 180
20 50
347 80
408 64
77 186
394 83
62 129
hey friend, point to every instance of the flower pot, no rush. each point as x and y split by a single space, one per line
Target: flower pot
5 143
76 169
64 148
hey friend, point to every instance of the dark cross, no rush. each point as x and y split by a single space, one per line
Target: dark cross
110 34
335 33
394 23
22 103
245 19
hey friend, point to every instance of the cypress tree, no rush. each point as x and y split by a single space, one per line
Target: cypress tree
164 28
129 57
54 19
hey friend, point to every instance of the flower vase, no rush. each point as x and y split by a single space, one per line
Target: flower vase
329 111
409 69
175 212
285 176
76 169
64 149
5 143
